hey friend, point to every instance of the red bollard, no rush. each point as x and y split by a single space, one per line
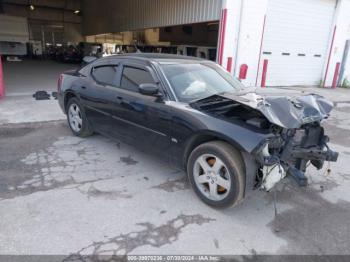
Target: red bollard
2 86
229 64
243 70
336 74
264 72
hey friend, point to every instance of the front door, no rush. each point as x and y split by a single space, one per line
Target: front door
145 119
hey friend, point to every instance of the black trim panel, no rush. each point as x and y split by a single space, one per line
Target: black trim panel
127 121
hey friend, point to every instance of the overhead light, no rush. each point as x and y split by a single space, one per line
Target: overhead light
76 12
31 7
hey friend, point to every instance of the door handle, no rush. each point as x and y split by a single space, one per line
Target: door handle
119 99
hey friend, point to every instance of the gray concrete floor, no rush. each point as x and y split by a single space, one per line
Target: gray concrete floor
21 78
62 195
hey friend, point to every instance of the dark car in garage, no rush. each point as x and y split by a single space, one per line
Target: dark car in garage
195 115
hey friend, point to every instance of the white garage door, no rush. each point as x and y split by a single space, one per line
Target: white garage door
297 35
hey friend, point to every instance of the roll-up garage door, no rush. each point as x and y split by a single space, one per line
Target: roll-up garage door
296 41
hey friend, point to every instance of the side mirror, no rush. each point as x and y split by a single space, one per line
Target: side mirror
149 89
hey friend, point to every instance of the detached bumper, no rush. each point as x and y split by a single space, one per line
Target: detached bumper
315 154
300 148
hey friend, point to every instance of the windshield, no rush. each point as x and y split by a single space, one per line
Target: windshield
197 81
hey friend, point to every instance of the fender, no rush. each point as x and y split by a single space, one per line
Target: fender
203 136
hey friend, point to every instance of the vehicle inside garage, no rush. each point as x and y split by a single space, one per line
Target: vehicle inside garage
41 39
34 36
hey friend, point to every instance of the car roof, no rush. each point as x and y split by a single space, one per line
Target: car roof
145 58
156 57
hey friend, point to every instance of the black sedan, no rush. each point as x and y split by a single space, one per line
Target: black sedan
195 115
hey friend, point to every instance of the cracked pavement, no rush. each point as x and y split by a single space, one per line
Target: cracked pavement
63 195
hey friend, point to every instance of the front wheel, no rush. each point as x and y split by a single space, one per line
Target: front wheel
216 173
77 119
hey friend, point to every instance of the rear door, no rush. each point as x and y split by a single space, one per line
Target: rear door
145 119
97 94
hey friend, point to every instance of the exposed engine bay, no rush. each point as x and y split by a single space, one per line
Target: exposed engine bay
296 139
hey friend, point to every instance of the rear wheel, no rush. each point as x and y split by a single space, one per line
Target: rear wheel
77 119
216 173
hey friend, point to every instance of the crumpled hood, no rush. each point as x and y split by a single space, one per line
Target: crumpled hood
286 111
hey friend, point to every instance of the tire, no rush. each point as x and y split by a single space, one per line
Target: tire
78 122
228 182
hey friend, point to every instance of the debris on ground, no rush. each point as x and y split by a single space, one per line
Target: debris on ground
41 95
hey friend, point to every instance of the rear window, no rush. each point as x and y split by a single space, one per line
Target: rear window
105 74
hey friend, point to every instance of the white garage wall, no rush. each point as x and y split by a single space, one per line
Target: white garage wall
296 41
345 80
309 31
228 33
252 23
342 24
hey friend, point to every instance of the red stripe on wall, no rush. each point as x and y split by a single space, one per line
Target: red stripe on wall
229 64
329 57
336 74
261 44
263 78
222 35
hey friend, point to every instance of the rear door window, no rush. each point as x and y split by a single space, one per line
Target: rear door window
105 74
132 77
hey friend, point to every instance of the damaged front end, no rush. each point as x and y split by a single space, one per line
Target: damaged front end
296 140
290 151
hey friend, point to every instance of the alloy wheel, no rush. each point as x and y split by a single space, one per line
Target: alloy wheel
212 177
75 118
